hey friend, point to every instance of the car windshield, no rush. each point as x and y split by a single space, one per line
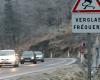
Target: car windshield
27 53
38 53
6 53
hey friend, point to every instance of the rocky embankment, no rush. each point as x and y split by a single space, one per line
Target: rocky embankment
72 72
97 75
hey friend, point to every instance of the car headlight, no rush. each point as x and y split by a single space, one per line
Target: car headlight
13 58
32 57
22 58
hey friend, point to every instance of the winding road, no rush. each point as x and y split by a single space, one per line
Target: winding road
8 72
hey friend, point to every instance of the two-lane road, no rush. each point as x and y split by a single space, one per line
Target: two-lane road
28 68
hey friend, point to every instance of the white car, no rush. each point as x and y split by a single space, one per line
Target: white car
9 58
39 56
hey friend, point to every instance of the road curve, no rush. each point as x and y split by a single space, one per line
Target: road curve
28 68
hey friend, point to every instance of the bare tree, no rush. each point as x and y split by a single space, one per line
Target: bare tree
12 26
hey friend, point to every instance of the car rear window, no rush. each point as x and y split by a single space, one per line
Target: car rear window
38 53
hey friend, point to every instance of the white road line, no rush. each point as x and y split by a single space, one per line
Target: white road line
73 60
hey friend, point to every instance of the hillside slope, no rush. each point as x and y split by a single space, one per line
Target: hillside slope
34 17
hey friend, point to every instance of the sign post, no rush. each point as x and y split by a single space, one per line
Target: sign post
89 55
86 19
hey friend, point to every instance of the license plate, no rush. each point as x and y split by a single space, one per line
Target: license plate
4 61
27 60
38 57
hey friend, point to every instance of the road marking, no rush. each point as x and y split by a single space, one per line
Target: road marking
11 76
73 61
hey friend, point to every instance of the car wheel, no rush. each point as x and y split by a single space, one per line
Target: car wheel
16 65
22 62
34 62
42 60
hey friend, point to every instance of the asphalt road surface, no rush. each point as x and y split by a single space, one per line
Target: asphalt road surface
7 72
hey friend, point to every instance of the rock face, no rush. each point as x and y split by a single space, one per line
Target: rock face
60 44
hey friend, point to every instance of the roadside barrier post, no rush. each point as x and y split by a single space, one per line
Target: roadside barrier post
51 55
68 54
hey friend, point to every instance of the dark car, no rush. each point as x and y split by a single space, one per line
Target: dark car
28 56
